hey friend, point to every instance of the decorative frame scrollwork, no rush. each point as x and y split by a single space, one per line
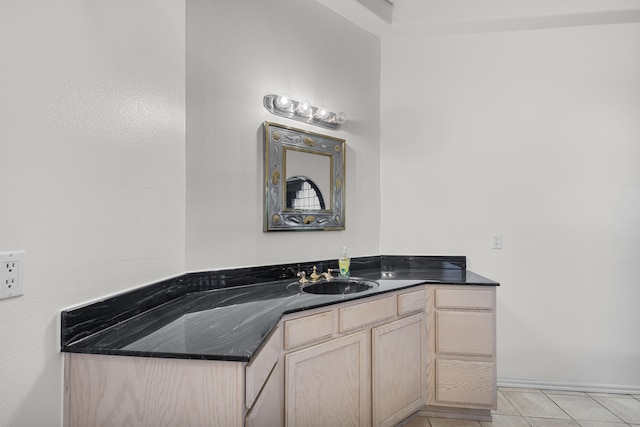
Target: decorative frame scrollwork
277 216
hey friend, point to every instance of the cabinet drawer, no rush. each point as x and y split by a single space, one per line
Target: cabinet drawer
366 313
307 329
410 302
465 332
259 369
467 383
463 298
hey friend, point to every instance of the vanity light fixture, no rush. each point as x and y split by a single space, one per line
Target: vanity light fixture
303 111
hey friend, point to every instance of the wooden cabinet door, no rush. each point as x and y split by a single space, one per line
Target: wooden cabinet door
268 409
329 384
399 359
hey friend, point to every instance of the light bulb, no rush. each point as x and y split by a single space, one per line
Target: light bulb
283 101
341 117
303 108
323 113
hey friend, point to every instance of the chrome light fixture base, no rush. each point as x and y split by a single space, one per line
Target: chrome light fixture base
281 105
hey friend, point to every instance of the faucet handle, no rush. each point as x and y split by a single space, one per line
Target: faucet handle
301 275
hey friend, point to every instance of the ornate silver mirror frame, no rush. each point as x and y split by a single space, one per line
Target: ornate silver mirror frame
307 195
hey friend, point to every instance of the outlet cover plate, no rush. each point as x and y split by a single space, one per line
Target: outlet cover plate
11 274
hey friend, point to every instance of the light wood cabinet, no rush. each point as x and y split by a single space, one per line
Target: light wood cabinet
462 357
328 384
366 313
465 333
467 383
261 367
371 371
399 369
412 302
264 385
307 329
103 390
268 409
373 361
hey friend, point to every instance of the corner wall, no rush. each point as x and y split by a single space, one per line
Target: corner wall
91 172
238 52
532 134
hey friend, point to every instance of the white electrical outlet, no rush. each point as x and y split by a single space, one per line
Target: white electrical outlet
496 241
11 274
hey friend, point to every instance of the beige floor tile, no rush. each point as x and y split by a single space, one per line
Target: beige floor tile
534 404
418 422
505 421
619 396
450 422
600 424
583 408
626 408
551 422
504 406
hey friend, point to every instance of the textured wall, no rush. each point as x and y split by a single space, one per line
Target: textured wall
92 125
237 52
532 134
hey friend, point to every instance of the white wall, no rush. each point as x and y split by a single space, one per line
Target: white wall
535 135
530 134
92 124
237 52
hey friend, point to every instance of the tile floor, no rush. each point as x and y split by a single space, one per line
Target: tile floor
518 407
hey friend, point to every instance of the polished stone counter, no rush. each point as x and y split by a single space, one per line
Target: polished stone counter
226 315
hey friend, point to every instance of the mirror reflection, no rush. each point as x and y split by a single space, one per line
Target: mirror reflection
309 174
303 193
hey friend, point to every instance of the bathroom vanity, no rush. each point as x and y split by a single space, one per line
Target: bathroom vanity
266 353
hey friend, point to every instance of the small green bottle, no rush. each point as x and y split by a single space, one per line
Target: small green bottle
344 262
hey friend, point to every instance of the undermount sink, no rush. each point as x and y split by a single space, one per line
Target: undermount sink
339 286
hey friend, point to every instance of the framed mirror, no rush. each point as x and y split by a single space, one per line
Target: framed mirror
304 177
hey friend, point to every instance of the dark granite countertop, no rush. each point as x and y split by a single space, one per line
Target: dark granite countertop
213 315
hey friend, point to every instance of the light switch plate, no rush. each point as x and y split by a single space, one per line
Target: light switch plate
11 274
496 241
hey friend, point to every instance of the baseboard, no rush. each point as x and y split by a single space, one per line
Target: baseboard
458 413
585 388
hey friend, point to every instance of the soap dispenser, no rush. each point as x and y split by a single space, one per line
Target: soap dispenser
344 262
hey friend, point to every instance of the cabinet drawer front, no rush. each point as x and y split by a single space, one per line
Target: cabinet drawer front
467 383
465 332
259 369
410 302
463 298
307 329
366 313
